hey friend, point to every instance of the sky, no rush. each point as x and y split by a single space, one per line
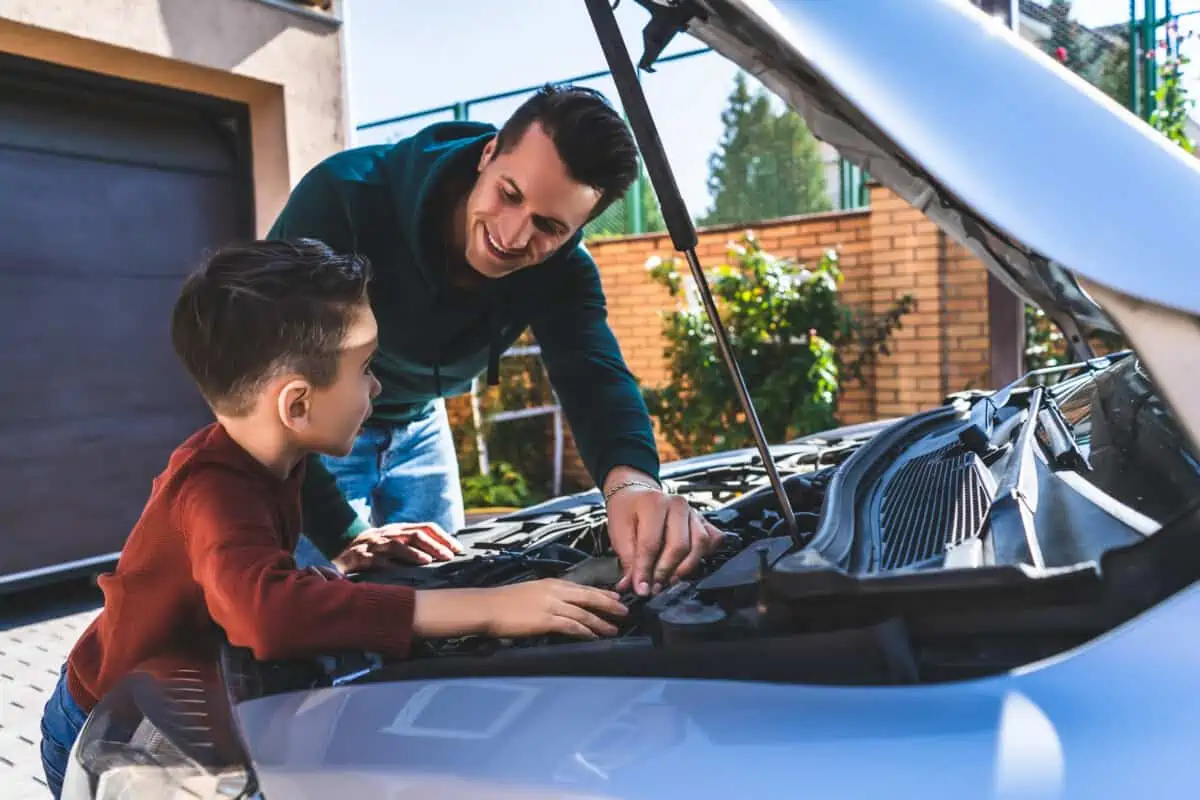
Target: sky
408 55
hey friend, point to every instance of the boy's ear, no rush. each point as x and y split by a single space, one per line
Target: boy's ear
295 404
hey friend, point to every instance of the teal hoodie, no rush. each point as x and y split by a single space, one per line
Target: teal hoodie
385 202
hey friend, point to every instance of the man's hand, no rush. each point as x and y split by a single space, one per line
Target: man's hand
401 542
533 608
658 538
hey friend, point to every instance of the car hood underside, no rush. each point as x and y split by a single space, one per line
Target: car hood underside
990 139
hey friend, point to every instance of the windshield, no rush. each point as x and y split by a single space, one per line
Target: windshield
1138 455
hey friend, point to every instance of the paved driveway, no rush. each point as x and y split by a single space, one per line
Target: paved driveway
37 628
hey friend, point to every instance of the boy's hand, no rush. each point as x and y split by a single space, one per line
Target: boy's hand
522 609
406 543
552 606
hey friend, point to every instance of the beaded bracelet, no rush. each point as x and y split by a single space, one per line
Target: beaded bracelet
625 485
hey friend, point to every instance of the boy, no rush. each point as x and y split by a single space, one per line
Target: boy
278 337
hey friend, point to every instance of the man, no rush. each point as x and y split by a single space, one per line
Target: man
475 235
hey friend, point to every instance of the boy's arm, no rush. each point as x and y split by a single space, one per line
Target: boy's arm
254 591
316 209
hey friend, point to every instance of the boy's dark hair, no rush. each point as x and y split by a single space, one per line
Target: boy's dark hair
593 141
253 311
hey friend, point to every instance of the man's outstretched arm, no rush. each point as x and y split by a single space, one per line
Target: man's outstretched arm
657 537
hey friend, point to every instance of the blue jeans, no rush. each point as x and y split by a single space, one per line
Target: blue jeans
62 719
405 473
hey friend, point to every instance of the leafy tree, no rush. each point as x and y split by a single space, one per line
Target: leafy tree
1065 42
766 165
1095 58
1113 78
792 336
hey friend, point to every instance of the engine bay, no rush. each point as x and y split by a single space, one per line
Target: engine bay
572 544
957 542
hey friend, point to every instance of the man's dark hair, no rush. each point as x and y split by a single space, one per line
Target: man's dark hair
253 311
593 141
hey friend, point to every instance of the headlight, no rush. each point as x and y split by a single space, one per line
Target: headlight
127 783
159 735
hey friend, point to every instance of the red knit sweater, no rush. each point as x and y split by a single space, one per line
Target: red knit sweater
214 545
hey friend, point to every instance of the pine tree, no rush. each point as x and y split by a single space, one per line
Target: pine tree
766 164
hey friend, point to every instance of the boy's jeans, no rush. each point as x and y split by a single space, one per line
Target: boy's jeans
406 473
62 719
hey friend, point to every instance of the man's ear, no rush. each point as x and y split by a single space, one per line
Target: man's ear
489 150
295 404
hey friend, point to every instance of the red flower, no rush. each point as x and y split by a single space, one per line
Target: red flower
1061 54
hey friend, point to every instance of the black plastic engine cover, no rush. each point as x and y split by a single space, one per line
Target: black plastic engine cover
736 582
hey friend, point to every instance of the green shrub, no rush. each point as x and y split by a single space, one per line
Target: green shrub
792 335
503 486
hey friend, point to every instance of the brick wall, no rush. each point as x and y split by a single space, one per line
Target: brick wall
886 251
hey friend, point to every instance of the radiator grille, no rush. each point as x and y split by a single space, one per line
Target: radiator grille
934 501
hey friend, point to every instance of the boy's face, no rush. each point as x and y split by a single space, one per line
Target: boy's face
338 411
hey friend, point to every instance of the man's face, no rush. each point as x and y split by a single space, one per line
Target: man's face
524 206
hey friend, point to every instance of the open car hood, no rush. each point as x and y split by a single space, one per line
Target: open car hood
1070 200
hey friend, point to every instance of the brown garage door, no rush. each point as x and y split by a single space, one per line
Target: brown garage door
109 194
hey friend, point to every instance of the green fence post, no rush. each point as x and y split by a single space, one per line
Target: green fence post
460 111
843 188
1149 57
1134 50
634 222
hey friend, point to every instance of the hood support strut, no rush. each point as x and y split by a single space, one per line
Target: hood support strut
679 224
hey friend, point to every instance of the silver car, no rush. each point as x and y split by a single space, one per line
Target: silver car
994 598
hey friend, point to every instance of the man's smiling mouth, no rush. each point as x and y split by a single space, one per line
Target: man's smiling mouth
495 248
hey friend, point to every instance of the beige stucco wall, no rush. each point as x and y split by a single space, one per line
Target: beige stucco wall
286 67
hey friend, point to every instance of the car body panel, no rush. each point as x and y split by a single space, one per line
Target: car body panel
1084 724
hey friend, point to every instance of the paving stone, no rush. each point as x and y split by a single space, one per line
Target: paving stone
36 633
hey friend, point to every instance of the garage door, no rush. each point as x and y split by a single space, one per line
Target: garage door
109 194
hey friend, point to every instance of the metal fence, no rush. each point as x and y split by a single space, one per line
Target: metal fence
636 212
